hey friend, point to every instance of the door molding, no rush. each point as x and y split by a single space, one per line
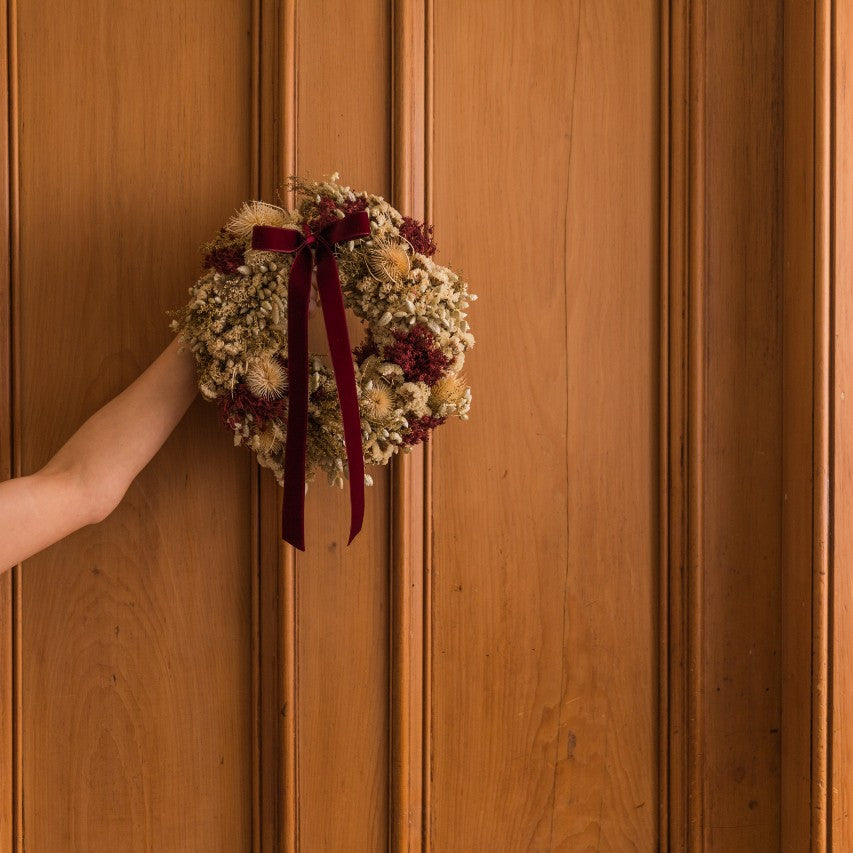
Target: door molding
807 511
411 484
275 682
11 603
681 437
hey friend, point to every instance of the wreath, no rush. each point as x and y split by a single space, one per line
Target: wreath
246 325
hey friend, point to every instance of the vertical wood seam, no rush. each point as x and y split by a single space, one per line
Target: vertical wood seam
8 806
674 417
696 422
664 433
286 150
681 425
15 447
827 451
255 651
426 745
275 144
807 704
258 788
400 568
409 488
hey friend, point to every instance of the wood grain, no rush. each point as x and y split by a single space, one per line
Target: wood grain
407 566
544 684
682 415
273 138
742 460
11 802
839 390
129 742
822 470
804 676
426 615
342 592
610 611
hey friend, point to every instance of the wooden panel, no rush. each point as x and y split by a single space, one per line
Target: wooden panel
544 674
408 810
742 462
803 769
274 135
342 591
555 592
136 632
841 440
822 402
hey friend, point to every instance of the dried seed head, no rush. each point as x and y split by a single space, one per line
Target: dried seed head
256 213
449 390
388 259
265 377
270 439
377 401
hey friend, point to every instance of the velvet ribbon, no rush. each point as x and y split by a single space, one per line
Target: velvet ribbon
316 250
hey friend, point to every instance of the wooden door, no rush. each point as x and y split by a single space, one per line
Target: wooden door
603 613
543 692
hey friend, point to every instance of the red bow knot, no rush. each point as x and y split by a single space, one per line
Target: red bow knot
316 250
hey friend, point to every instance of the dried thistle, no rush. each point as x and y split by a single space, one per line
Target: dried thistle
254 213
265 377
449 390
388 259
377 401
270 439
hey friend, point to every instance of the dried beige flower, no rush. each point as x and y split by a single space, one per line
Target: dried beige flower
270 439
388 259
449 390
265 377
414 396
377 401
256 213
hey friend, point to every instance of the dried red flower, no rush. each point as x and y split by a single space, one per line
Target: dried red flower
224 254
365 349
419 234
324 216
354 206
233 407
416 352
419 429
326 213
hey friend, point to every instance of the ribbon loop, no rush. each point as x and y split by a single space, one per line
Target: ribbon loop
316 250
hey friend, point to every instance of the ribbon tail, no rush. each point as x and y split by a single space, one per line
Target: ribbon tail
334 317
293 506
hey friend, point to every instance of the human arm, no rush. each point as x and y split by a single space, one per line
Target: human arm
89 475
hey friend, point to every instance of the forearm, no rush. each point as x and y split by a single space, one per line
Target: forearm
89 474
118 441
37 511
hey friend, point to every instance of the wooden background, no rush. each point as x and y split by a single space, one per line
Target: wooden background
602 614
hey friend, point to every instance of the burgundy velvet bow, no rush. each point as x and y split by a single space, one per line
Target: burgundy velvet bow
273 239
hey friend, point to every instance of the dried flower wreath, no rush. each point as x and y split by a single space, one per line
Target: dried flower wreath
246 325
